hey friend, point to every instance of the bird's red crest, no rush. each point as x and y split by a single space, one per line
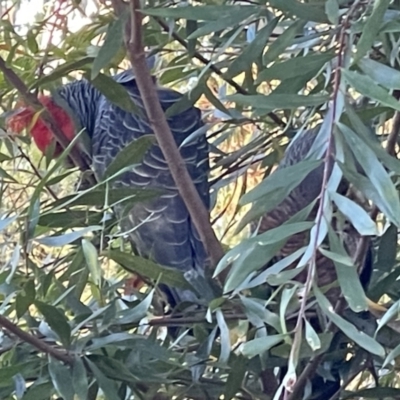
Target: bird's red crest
27 118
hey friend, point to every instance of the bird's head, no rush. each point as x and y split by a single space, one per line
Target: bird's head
29 119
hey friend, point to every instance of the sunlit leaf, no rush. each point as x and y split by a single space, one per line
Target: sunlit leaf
371 27
362 339
61 378
56 320
112 43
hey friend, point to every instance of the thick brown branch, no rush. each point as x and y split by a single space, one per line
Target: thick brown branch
165 139
35 342
31 99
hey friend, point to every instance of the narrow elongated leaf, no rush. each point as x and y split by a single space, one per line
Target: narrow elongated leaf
390 314
308 12
230 20
62 240
348 278
286 178
62 70
380 73
279 101
236 376
25 298
252 51
374 393
284 40
332 11
395 353
201 13
130 155
362 339
359 218
369 88
311 336
56 320
61 378
98 197
224 335
371 28
112 43
79 379
374 170
107 385
115 93
294 67
254 253
148 268
137 313
259 346
92 261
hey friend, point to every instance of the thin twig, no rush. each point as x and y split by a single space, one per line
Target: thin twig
165 139
35 342
296 387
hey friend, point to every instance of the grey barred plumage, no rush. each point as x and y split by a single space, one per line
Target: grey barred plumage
298 199
160 229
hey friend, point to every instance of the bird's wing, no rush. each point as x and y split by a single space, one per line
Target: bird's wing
161 228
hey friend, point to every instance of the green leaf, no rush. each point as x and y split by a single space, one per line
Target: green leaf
224 336
308 12
149 269
294 67
112 44
25 298
201 13
252 51
378 176
257 347
116 93
283 41
61 378
380 73
56 320
391 314
130 155
62 240
347 274
279 101
100 197
358 217
107 386
235 377
231 19
61 71
79 379
136 313
92 261
369 88
311 337
371 28
332 11
362 339
285 178
392 356
254 253
374 393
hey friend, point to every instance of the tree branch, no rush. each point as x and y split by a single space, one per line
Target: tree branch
32 100
35 342
165 139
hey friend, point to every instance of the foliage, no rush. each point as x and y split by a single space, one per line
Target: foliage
261 71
